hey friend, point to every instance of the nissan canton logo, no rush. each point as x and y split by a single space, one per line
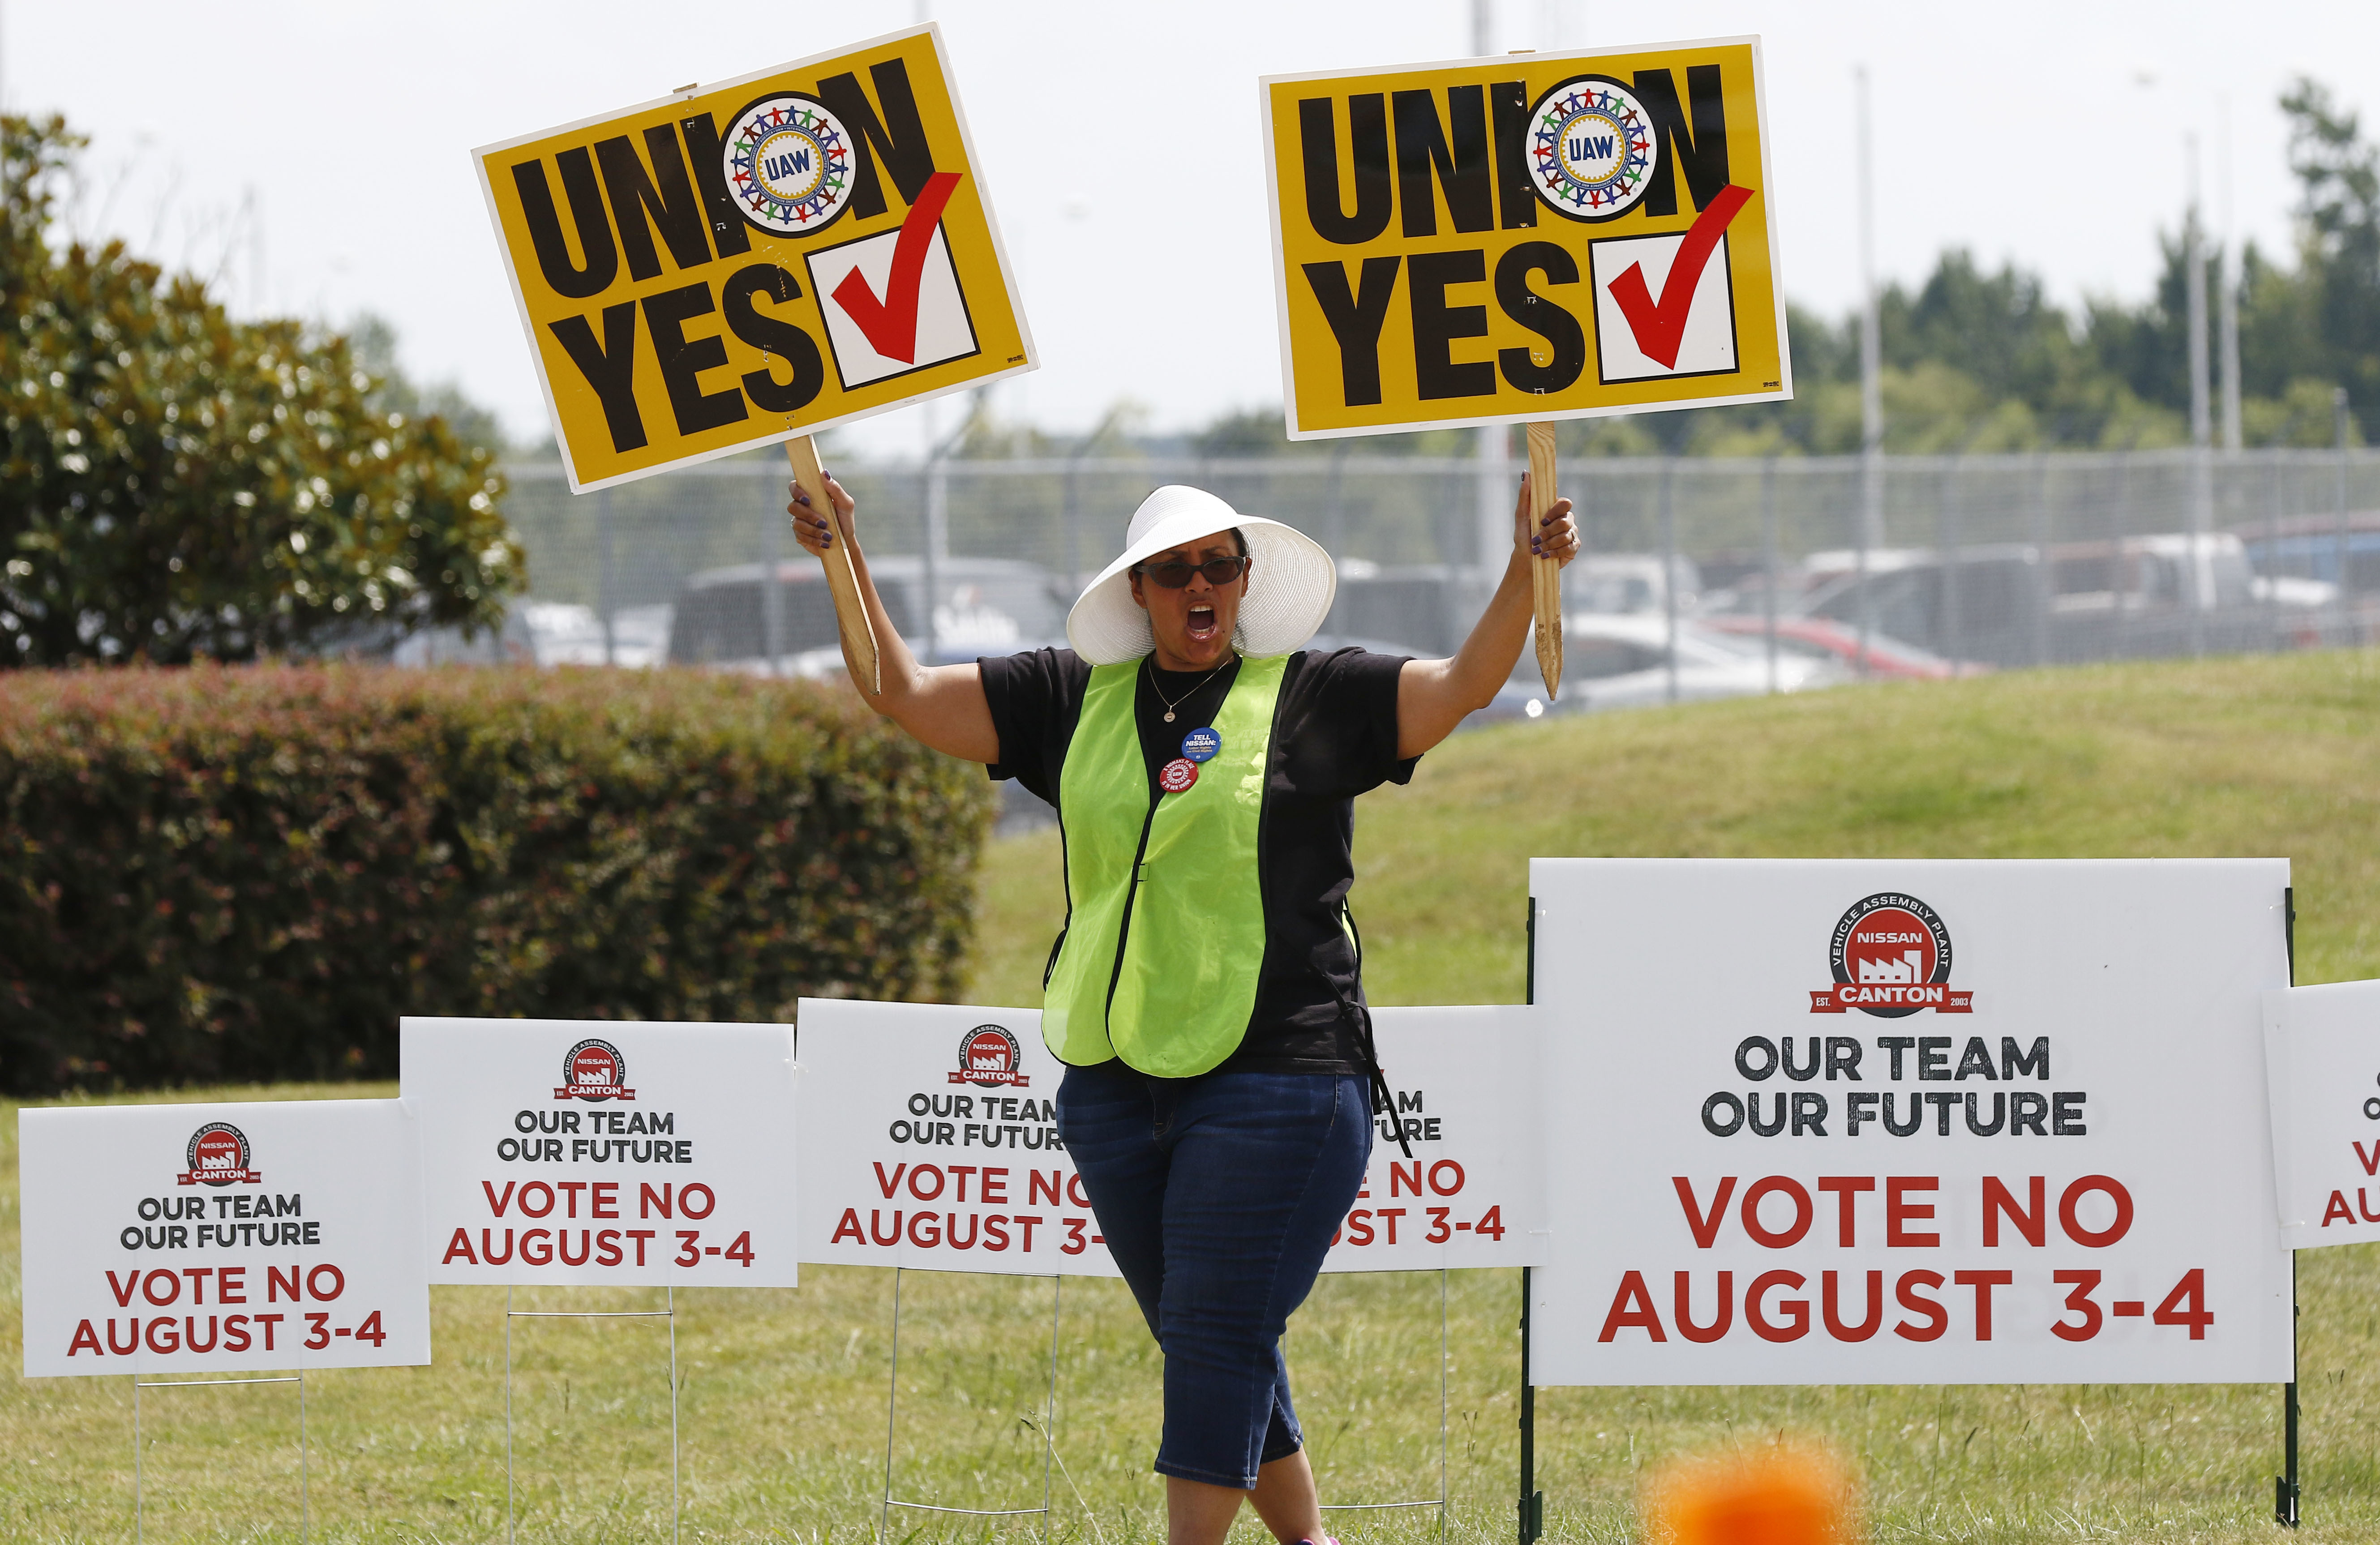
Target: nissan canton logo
989 1058
1890 957
594 1070
218 1155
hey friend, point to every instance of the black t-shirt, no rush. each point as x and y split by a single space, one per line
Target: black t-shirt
1334 736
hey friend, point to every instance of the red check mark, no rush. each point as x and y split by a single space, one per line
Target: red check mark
891 324
1660 329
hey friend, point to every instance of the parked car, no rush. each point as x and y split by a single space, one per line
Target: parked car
1623 663
1424 608
2014 604
1989 599
1628 583
2307 548
1429 608
1882 656
2301 572
986 606
640 635
540 632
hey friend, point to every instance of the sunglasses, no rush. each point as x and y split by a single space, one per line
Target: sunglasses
1173 576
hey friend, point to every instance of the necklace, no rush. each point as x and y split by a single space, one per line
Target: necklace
1171 703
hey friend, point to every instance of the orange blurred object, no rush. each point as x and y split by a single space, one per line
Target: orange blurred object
1779 1496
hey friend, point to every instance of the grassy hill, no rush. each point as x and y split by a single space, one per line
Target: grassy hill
2244 757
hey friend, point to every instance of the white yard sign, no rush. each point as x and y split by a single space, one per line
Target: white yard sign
215 1237
1908 1122
1474 1192
929 1140
608 1152
2321 1045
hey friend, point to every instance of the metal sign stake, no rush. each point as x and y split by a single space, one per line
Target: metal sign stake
668 1313
1532 1503
1048 1430
305 1506
1441 1501
2286 1499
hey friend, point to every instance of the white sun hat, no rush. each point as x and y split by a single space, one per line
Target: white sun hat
1291 580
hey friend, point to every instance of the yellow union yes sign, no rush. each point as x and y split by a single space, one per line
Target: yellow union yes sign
1540 236
755 260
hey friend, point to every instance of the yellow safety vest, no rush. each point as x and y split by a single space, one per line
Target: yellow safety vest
1165 927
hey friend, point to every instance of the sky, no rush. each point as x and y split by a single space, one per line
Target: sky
315 156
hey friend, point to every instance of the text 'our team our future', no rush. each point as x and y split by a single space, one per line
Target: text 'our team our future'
1929 1058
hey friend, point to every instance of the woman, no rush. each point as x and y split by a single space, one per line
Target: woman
1205 993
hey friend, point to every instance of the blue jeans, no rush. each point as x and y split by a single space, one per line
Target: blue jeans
1217 1196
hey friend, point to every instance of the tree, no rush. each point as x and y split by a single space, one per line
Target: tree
175 485
1999 328
2338 176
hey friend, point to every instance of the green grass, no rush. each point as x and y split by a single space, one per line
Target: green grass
783 1393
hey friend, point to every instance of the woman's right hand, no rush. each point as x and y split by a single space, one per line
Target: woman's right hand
810 525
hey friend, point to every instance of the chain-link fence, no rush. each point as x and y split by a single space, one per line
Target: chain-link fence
1811 568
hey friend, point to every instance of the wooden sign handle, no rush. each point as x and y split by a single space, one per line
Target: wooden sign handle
1544 575
841 578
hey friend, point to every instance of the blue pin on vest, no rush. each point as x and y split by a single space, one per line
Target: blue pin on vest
1201 745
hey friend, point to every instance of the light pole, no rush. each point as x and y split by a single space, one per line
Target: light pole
2228 311
1871 514
2199 566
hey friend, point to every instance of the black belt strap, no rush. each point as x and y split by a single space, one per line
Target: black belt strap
1353 1008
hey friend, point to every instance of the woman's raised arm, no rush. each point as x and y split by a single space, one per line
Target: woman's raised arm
1434 695
943 705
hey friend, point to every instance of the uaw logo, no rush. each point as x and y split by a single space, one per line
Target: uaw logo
594 1070
218 1155
787 161
988 1056
1891 956
1592 148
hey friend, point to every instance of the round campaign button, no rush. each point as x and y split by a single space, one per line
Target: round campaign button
1200 745
1177 775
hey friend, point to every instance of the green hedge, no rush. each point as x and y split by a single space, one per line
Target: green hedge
213 874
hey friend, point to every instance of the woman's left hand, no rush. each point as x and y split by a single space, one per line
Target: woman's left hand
1556 536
